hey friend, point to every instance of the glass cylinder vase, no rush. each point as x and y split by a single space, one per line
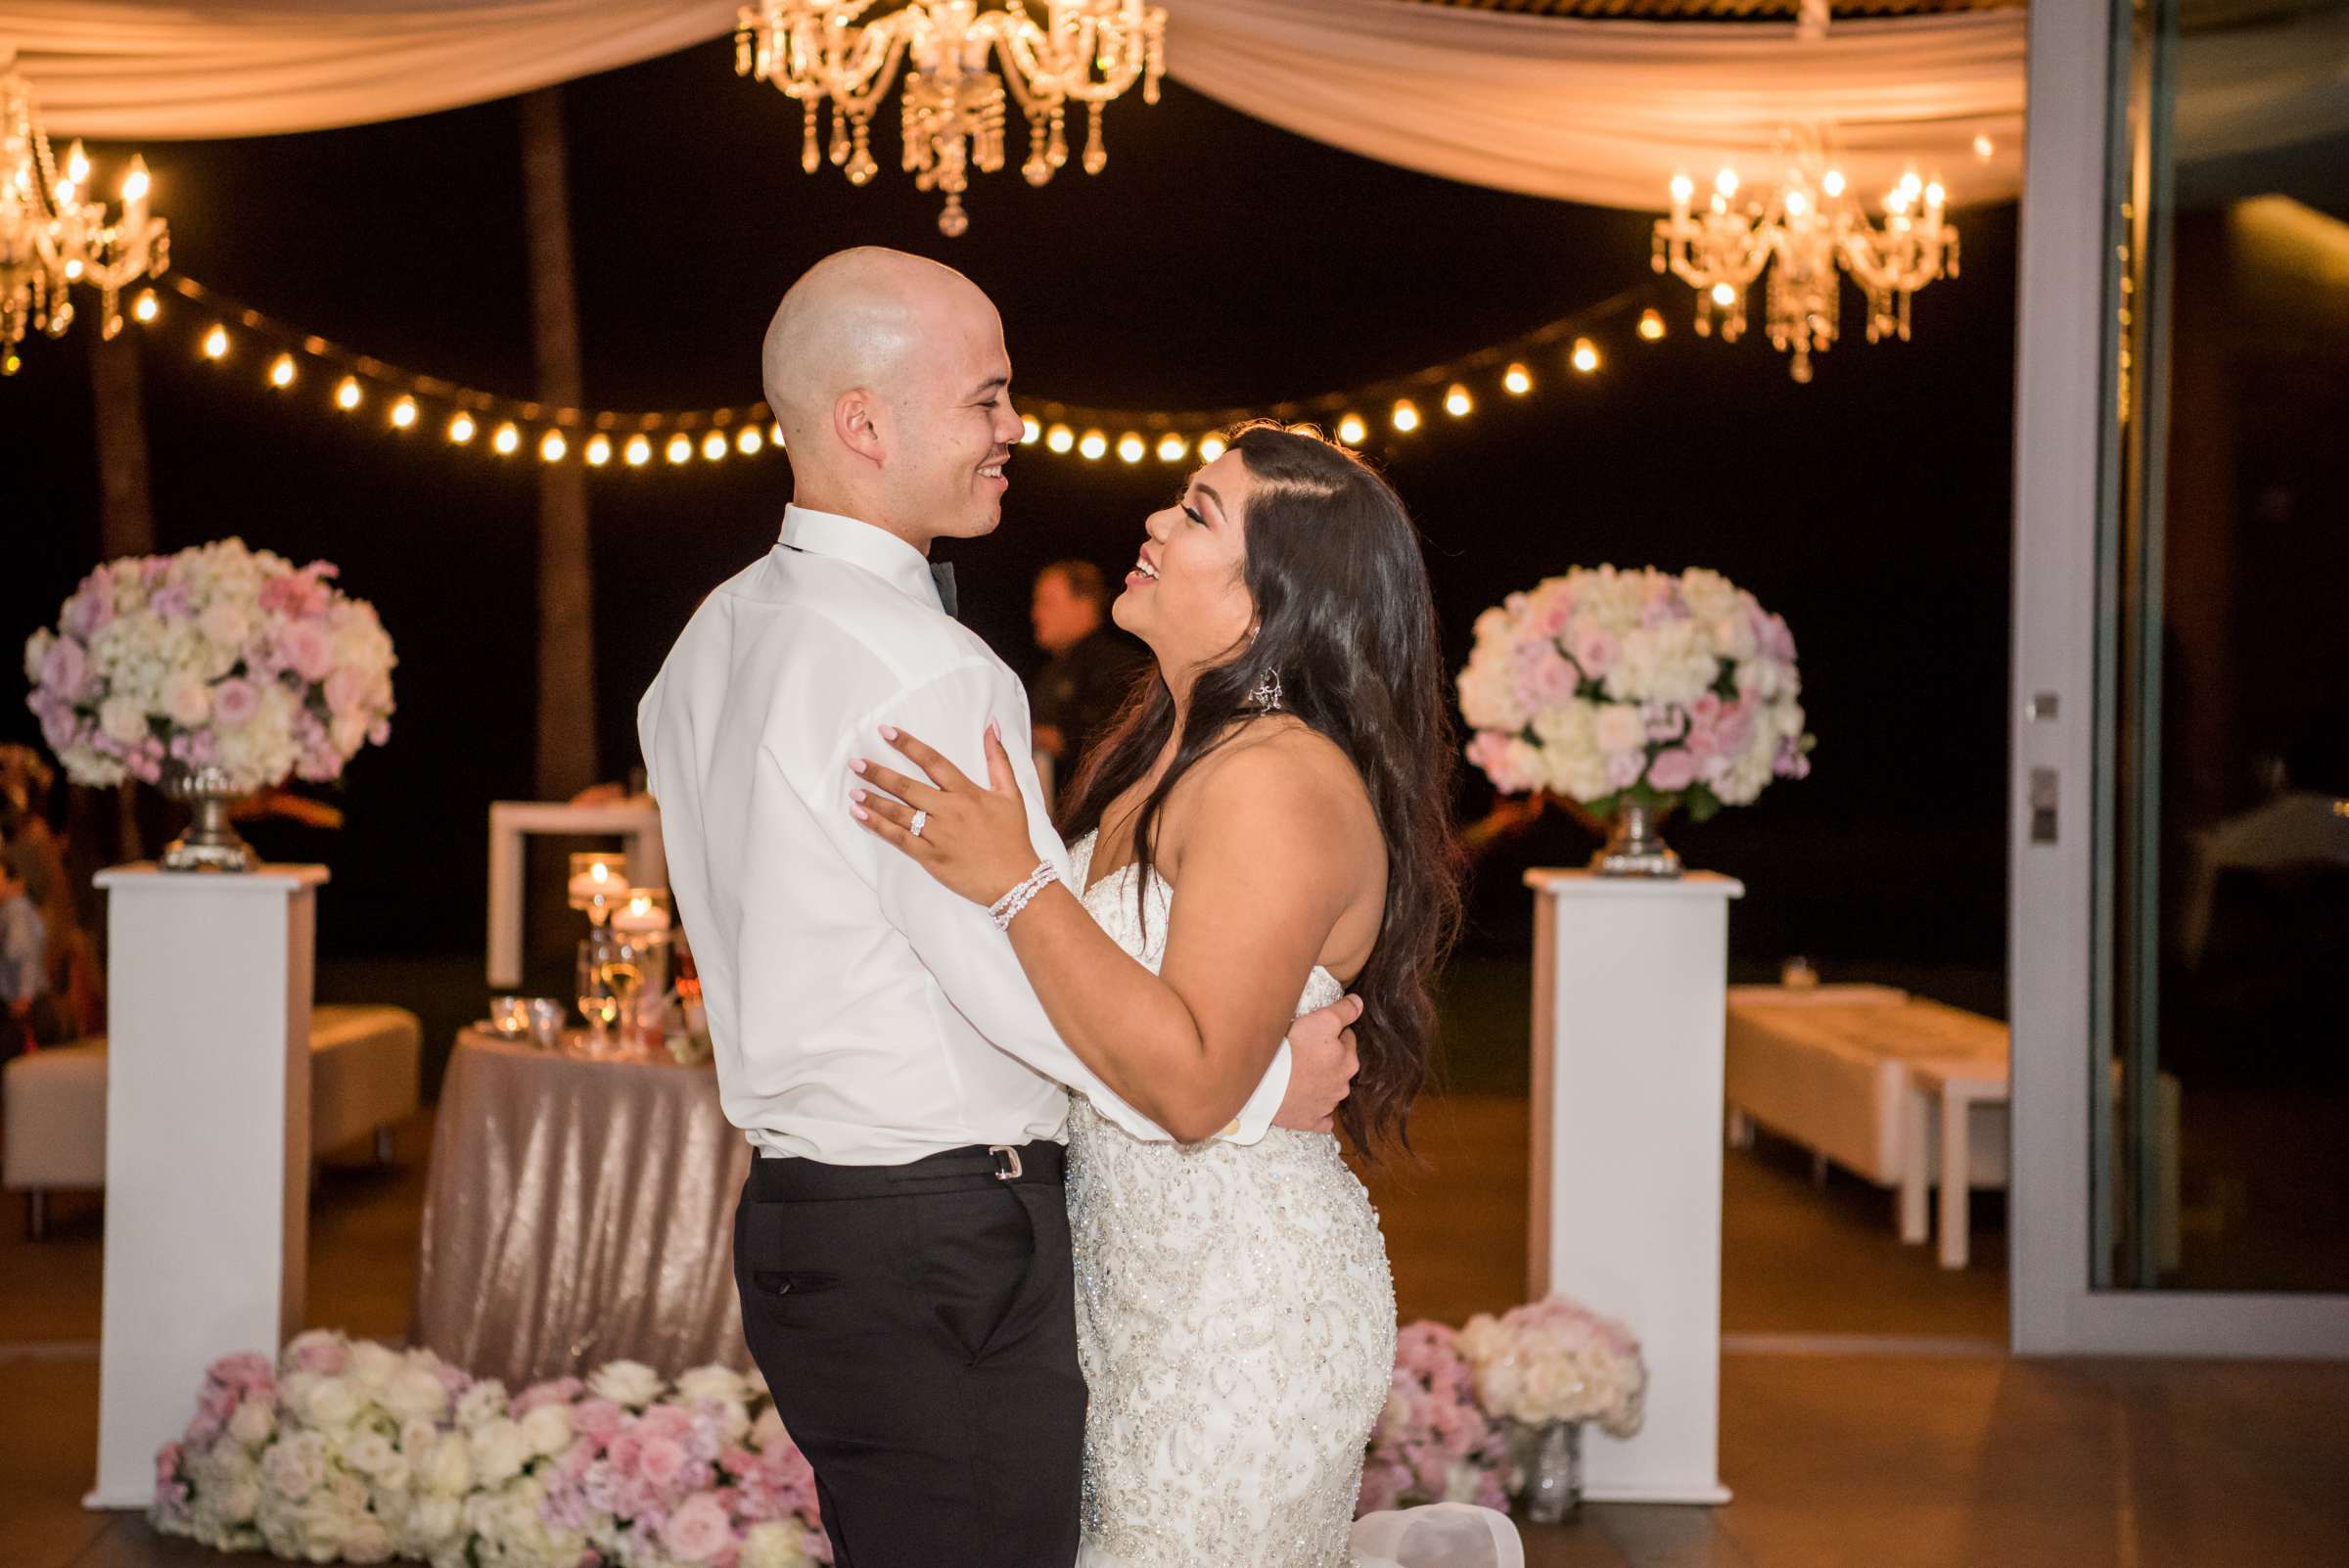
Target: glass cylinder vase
1553 1474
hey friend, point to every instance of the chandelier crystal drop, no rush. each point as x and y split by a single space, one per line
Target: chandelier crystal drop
54 233
836 65
1807 230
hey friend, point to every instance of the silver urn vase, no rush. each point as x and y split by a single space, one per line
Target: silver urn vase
209 843
1553 1472
1635 845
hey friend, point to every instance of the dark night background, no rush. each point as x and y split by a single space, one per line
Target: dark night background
1216 261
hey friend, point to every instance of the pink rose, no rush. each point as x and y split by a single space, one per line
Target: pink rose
305 649
1673 769
1624 769
660 1460
345 691
1594 649
596 1419
698 1531
65 670
235 702
555 1391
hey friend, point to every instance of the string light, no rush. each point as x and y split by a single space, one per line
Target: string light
678 451
1060 438
599 450
1211 446
1517 381
282 371
145 308
1130 448
639 452
774 433
749 440
347 394
714 446
1170 447
1030 430
403 413
552 447
1651 325
1405 416
1352 431
461 427
1586 356
506 441
1457 402
1093 445
216 343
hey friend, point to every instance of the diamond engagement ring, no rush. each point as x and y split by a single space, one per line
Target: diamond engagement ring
921 821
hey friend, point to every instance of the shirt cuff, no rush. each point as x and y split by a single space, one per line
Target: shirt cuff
1256 1116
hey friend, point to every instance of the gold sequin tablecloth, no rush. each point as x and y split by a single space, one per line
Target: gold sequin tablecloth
579 1210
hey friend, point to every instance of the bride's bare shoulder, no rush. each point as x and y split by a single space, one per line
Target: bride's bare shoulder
1285 780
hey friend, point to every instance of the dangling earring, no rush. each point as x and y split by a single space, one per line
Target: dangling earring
1266 699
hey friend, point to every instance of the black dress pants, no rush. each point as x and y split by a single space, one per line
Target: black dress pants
917 1326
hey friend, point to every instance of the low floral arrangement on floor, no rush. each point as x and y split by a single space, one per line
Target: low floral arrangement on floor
216 657
1606 687
349 1450
346 1451
1556 1360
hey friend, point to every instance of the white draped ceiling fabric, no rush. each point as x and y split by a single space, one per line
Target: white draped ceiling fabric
1597 111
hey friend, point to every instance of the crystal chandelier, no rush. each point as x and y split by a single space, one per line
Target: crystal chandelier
1803 230
820 52
53 234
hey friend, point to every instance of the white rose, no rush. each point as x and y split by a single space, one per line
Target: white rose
546 1430
500 1452
371 1364
482 1403
224 626
368 1539
415 1394
1786 719
626 1383
447 1469
369 1453
122 719
714 1382
238 1502
330 1404
772 1543
1619 728
252 1423
432 1520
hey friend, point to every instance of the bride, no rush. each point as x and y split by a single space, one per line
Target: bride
1265 828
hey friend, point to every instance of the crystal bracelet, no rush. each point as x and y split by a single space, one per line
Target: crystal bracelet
1011 903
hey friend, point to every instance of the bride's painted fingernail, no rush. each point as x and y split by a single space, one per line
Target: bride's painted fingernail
858 766
860 813
855 794
888 732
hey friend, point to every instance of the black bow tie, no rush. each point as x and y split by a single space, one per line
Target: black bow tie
941 572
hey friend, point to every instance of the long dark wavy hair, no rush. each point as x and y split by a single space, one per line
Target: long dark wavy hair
1345 621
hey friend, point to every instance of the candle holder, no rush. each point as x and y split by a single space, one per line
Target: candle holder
599 879
642 920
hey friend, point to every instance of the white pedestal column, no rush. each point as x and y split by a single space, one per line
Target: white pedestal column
1629 1006
207 1143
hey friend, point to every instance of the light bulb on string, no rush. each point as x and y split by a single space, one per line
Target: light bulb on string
1585 357
145 308
679 449
403 414
216 343
1093 445
552 447
1457 402
1651 325
599 450
507 441
461 427
1405 416
774 433
347 394
1352 431
749 440
639 452
1517 381
1211 446
1172 447
1030 430
714 446
282 371
1130 448
1060 438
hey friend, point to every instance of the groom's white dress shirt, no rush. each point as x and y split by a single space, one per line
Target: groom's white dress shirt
860 1013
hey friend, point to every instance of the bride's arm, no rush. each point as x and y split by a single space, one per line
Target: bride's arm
1267 870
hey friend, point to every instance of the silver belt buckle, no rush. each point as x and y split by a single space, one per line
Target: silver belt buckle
1008 1162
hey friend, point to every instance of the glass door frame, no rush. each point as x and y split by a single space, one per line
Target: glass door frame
2069 498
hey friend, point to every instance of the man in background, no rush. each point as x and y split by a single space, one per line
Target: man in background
1090 667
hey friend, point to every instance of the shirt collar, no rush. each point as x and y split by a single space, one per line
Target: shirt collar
861 544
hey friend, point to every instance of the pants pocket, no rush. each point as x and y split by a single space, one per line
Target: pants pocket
978 1254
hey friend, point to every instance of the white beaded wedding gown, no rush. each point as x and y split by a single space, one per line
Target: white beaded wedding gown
1235 1320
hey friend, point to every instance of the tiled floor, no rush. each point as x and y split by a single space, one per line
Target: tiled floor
1841 1453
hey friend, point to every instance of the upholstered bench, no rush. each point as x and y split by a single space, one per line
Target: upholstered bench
364 1065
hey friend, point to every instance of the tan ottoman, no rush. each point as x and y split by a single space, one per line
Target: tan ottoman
365 1074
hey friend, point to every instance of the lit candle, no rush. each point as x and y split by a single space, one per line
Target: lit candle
601 879
646 911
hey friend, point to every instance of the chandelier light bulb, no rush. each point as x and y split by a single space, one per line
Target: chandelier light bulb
1984 146
1517 381
216 343
1030 431
1132 447
403 414
282 371
1797 204
347 394
1683 188
1724 296
77 163
599 450
1405 416
1585 357
1651 325
1457 402
1352 431
507 441
138 183
639 452
1725 183
552 447
1935 195
73 270
1832 184
1211 446
1172 447
461 427
145 308
1092 445
1060 438
714 446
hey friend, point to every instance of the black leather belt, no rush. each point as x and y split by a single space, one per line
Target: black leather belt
981 1165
